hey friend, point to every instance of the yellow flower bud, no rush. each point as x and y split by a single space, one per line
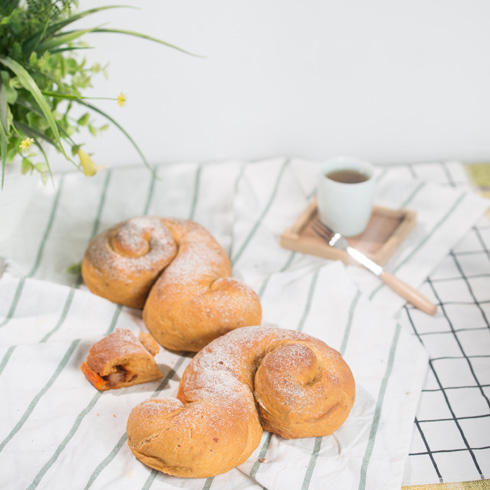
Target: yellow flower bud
90 168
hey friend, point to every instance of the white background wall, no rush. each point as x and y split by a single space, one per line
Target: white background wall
384 80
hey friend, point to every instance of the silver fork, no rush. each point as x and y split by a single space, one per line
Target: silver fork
402 288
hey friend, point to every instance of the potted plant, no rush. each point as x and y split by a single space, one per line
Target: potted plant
43 77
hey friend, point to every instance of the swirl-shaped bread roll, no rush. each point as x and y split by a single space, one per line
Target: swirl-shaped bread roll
178 272
251 379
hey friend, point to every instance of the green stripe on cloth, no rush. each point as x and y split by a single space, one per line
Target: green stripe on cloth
424 241
115 318
115 450
38 397
6 357
107 460
312 463
262 215
208 483
411 197
47 229
283 269
318 440
63 316
96 223
348 327
37 261
196 192
377 410
149 481
263 452
309 300
65 441
235 189
15 301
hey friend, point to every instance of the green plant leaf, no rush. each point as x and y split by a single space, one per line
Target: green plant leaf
42 167
128 136
31 86
34 133
74 269
69 48
144 36
10 92
84 120
26 166
63 38
3 106
60 95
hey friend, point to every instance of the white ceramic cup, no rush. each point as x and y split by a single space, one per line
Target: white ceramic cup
346 207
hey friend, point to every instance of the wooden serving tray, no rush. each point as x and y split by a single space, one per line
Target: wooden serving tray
386 231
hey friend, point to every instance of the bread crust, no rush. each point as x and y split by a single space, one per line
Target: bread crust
178 273
251 379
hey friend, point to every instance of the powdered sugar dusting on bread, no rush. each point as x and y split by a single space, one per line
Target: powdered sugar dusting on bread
132 235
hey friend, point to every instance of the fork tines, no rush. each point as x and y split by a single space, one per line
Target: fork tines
322 230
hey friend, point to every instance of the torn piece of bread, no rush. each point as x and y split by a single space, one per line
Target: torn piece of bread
121 359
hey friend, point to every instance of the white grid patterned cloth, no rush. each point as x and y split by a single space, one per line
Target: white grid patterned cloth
58 428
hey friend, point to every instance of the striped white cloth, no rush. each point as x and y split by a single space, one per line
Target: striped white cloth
57 431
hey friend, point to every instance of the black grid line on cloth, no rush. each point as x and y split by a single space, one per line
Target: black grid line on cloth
448 388
476 356
470 252
429 452
459 278
468 417
439 451
450 332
